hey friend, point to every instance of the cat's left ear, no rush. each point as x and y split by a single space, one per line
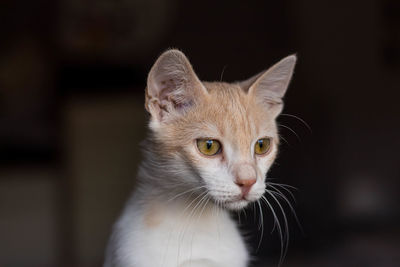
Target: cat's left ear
269 87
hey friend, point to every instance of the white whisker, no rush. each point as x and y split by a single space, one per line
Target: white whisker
280 194
286 225
260 225
298 118
185 192
282 186
290 129
278 225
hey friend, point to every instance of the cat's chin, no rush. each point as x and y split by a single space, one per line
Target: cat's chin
237 204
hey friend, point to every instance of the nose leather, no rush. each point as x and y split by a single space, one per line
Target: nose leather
245 185
245 178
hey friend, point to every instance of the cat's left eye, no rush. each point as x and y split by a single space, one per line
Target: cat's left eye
208 147
262 146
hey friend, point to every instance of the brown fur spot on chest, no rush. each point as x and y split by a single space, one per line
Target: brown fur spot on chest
152 216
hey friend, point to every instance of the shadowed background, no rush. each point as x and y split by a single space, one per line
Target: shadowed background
72 78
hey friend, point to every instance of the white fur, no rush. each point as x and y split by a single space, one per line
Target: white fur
183 237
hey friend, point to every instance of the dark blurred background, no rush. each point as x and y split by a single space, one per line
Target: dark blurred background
72 78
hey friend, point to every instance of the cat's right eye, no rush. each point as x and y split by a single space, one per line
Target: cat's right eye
262 146
208 147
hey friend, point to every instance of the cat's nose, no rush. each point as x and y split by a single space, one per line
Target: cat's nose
245 185
245 178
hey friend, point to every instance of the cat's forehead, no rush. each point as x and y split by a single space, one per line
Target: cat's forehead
229 110
223 88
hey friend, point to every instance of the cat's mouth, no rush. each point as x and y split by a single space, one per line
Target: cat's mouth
236 204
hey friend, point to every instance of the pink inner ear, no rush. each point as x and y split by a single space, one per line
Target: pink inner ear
172 94
167 86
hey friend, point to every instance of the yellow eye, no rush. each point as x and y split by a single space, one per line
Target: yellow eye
208 147
262 146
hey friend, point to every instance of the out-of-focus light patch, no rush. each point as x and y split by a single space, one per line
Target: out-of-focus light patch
363 196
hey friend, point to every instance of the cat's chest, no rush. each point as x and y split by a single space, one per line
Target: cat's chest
189 214
190 232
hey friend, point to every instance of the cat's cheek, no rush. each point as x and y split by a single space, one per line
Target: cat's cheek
195 157
263 165
265 162
209 163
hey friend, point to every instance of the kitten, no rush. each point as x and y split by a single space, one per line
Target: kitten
209 150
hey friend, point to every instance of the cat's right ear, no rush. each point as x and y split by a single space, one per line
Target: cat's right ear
172 87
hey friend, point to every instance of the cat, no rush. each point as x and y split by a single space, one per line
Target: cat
210 147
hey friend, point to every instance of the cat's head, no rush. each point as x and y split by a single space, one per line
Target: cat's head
223 133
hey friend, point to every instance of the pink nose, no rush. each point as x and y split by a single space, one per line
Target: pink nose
245 177
245 185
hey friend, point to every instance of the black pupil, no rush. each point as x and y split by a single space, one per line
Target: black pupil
209 144
260 143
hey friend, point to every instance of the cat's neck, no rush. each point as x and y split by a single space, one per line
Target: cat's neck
151 187
162 184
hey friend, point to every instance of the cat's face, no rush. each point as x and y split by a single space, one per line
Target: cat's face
224 133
